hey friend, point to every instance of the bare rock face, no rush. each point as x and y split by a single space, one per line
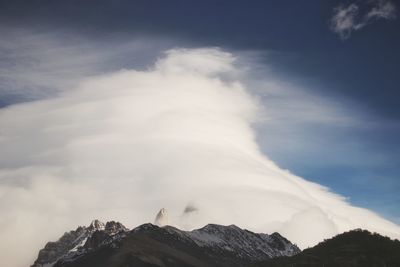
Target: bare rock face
161 218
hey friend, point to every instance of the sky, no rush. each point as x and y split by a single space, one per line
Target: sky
300 91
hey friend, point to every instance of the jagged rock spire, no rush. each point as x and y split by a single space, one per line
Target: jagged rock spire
96 225
161 218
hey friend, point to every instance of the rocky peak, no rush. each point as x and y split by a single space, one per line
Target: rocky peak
247 244
113 228
96 225
74 243
146 227
161 218
54 250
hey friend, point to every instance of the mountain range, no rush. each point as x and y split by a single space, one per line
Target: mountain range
111 244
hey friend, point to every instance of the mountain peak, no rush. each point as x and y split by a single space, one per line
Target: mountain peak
219 227
113 227
161 218
72 244
96 225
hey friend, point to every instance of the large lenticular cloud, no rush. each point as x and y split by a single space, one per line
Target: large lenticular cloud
123 145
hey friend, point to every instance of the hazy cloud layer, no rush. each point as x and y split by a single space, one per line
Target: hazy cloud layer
353 17
179 135
37 63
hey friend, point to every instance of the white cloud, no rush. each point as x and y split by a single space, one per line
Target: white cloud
347 19
37 63
382 9
122 145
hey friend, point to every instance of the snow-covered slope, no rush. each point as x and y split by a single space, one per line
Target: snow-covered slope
246 243
231 242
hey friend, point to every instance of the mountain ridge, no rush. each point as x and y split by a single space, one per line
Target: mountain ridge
211 245
355 248
111 244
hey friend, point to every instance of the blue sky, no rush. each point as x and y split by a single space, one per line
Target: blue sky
359 72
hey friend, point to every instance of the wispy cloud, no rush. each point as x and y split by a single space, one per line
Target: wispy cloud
353 17
37 64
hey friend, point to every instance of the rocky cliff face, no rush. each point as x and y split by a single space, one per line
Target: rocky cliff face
112 244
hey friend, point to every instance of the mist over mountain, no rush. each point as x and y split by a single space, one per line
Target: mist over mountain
181 135
203 118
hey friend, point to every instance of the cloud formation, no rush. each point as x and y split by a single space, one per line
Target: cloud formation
38 63
178 135
347 19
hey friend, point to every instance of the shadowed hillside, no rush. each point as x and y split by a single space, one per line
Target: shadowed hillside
357 248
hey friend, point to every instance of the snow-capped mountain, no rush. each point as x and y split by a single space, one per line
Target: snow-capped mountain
243 243
112 244
76 242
